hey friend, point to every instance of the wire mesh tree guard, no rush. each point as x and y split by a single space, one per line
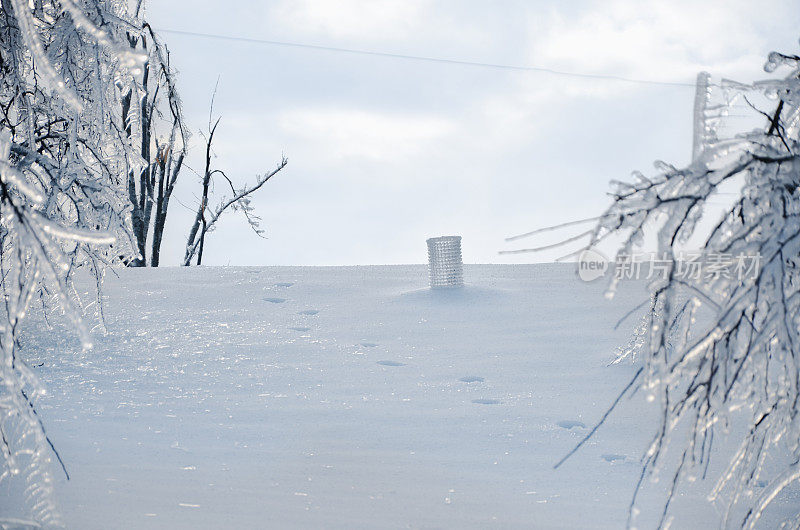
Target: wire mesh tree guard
444 262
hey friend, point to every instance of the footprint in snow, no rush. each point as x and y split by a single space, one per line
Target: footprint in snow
611 457
486 401
471 379
369 344
308 312
300 328
284 284
571 424
390 363
275 300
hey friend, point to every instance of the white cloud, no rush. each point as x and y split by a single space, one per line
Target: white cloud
350 133
657 39
421 27
352 18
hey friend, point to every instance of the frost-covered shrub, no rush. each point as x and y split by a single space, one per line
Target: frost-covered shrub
738 363
64 158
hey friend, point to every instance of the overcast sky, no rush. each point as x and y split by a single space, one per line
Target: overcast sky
386 152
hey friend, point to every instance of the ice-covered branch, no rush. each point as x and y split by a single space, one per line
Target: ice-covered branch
62 201
724 347
240 200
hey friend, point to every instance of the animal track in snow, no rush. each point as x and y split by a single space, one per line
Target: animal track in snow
571 424
300 328
486 401
369 344
390 363
284 284
308 312
471 379
275 300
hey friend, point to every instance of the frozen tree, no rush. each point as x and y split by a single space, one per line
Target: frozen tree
64 157
239 199
720 352
150 102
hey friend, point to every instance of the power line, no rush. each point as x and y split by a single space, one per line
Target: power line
373 53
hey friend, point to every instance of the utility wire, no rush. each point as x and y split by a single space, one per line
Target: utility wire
606 77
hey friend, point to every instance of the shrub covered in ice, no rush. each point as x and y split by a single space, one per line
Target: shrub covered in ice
722 350
63 203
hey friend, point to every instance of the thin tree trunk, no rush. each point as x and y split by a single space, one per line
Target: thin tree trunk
160 177
202 242
133 196
200 217
167 184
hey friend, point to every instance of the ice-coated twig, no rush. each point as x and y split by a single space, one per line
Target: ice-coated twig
206 219
552 246
552 228
602 419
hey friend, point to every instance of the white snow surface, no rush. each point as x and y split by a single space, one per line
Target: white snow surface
348 397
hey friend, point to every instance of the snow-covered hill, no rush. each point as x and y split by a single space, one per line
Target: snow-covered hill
346 397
